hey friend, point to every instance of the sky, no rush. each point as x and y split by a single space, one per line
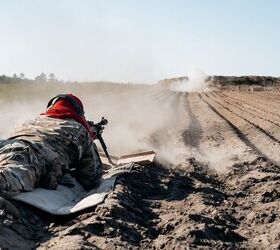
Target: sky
139 41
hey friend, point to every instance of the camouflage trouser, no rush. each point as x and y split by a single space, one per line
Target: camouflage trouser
25 165
19 168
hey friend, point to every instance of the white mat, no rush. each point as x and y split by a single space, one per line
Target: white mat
65 200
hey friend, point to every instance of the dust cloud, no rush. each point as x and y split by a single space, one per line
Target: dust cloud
196 82
141 117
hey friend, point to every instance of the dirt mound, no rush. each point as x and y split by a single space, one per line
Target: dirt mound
156 207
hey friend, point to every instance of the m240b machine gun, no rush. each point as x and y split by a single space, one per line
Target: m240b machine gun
138 157
98 128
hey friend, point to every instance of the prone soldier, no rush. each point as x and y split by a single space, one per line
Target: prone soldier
41 152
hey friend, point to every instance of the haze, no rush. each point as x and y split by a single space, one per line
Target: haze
138 41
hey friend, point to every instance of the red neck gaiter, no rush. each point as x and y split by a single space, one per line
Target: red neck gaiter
63 109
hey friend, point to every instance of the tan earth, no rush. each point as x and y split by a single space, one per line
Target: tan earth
225 194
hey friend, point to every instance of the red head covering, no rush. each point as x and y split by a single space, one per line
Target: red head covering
62 108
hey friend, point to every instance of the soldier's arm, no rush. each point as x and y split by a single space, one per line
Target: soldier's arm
88 170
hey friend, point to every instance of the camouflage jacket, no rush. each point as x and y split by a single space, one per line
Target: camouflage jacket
40 151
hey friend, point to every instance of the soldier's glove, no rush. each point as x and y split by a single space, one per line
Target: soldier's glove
8 207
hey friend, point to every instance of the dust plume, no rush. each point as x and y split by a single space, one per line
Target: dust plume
196 82
141 117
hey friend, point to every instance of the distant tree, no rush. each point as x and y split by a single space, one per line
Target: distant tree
22 76
41 78
5 79
9 79
52 77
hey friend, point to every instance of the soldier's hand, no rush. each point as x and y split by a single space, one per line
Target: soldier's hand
8 207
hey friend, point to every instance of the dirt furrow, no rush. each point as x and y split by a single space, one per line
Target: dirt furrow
265 98
245 111
269 128
257 101
253 135
192 134
255 107
220 147
250 184
268 95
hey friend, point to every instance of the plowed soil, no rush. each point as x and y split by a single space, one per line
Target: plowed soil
225 194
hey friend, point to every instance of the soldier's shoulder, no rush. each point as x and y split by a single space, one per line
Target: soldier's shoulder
43 121
47 119
66 124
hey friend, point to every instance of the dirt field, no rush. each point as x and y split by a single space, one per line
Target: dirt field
223 193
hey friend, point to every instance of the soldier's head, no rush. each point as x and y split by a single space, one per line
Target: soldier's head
68 106
67 100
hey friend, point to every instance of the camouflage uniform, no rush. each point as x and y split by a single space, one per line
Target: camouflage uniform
41 151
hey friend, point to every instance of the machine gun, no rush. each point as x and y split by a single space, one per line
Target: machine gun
144 156
98 128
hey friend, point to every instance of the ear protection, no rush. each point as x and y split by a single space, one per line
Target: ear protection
71 100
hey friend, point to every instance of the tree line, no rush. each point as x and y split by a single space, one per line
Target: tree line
20 78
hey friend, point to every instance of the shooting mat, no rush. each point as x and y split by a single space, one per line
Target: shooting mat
67 200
